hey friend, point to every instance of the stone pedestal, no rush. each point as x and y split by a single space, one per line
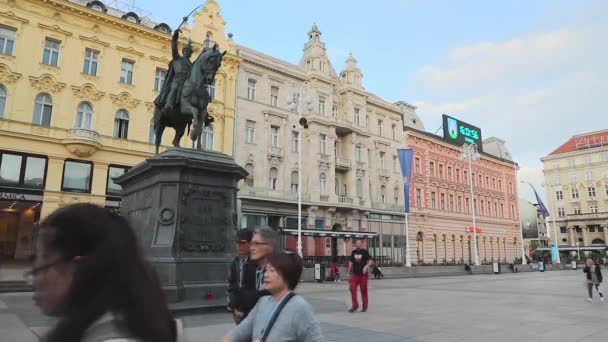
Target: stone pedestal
183 204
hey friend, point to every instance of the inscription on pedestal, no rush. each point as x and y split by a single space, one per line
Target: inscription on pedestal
207 217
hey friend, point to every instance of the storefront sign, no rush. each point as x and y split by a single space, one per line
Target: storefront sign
12 196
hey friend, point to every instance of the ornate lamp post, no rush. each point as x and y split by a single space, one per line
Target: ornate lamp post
293 104
469 153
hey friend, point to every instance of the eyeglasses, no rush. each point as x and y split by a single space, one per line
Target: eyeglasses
28 275
255 243
288 252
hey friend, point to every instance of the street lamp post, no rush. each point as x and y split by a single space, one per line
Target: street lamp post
469 153
554 215
293 103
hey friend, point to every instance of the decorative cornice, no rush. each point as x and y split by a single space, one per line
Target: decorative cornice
88 92
7 76
124 100
46 83
12 15
162 59
55 28
130 49
94 39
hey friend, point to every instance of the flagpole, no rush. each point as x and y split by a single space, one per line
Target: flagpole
408 260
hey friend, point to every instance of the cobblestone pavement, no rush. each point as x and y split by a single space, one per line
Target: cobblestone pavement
547 306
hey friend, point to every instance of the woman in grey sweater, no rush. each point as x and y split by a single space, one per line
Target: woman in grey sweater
295 322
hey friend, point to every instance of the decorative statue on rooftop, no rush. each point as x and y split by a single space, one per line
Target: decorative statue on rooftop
184 97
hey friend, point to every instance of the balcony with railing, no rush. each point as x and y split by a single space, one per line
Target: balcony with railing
388 206
342 164
82 142
384 172
275 151
262 193
345 200
324 198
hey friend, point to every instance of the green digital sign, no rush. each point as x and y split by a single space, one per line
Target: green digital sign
458 132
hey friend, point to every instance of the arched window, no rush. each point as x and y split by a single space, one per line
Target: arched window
121 124
84 116
294 181
322 184
43 110
598 242
273 178
2 101
249 179
207 138
383 194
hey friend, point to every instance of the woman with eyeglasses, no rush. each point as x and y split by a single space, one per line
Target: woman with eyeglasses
283 316
90 273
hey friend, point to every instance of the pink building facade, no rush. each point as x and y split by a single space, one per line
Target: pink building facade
441 217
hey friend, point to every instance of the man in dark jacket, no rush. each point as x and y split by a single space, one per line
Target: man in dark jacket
241 280
594 278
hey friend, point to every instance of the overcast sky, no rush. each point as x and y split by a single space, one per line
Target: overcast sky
530 72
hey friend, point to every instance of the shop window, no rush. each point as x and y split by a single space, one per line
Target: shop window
113 173
77 176
22 170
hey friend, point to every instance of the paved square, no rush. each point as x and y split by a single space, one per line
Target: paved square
506 307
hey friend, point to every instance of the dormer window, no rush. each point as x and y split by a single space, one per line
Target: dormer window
163 28
132 18
97 6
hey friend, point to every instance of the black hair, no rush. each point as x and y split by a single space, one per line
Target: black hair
110 275
289 265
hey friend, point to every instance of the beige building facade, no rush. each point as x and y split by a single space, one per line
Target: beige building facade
351 179
576 178
77 84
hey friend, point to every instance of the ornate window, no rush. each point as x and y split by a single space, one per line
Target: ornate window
43 110
84 116
121 124
207 138
2 101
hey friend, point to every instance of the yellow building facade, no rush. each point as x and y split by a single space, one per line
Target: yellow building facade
77 85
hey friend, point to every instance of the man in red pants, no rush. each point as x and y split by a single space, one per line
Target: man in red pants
358 267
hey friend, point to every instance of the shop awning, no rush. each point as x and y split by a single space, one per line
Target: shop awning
573 248
329 233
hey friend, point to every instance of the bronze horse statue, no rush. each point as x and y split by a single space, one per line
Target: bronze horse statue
193 101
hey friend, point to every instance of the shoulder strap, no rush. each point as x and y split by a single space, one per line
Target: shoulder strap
275 315
112 329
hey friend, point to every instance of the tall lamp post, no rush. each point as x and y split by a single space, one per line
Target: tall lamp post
293 104
470 153
554 215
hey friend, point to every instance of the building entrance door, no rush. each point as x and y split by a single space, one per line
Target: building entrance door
8 234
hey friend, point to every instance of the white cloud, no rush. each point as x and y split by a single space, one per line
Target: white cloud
534 176
513 60
535 91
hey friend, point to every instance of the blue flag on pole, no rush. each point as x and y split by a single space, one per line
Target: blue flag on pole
405 160
541 206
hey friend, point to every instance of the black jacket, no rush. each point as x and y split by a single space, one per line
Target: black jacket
245 297
598 272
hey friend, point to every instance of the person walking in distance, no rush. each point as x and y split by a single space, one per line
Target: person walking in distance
358 267
593 272
242 276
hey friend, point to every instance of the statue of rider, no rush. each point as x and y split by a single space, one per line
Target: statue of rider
179 70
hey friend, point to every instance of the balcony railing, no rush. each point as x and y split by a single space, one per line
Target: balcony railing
83 134
275 151
324 198
360 165
384 172
343 163
345 200
247 191
388 206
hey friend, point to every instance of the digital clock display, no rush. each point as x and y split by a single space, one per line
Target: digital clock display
458 133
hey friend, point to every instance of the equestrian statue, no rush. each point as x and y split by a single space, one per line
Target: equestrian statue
184 97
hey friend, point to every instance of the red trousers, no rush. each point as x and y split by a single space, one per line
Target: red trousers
361 281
